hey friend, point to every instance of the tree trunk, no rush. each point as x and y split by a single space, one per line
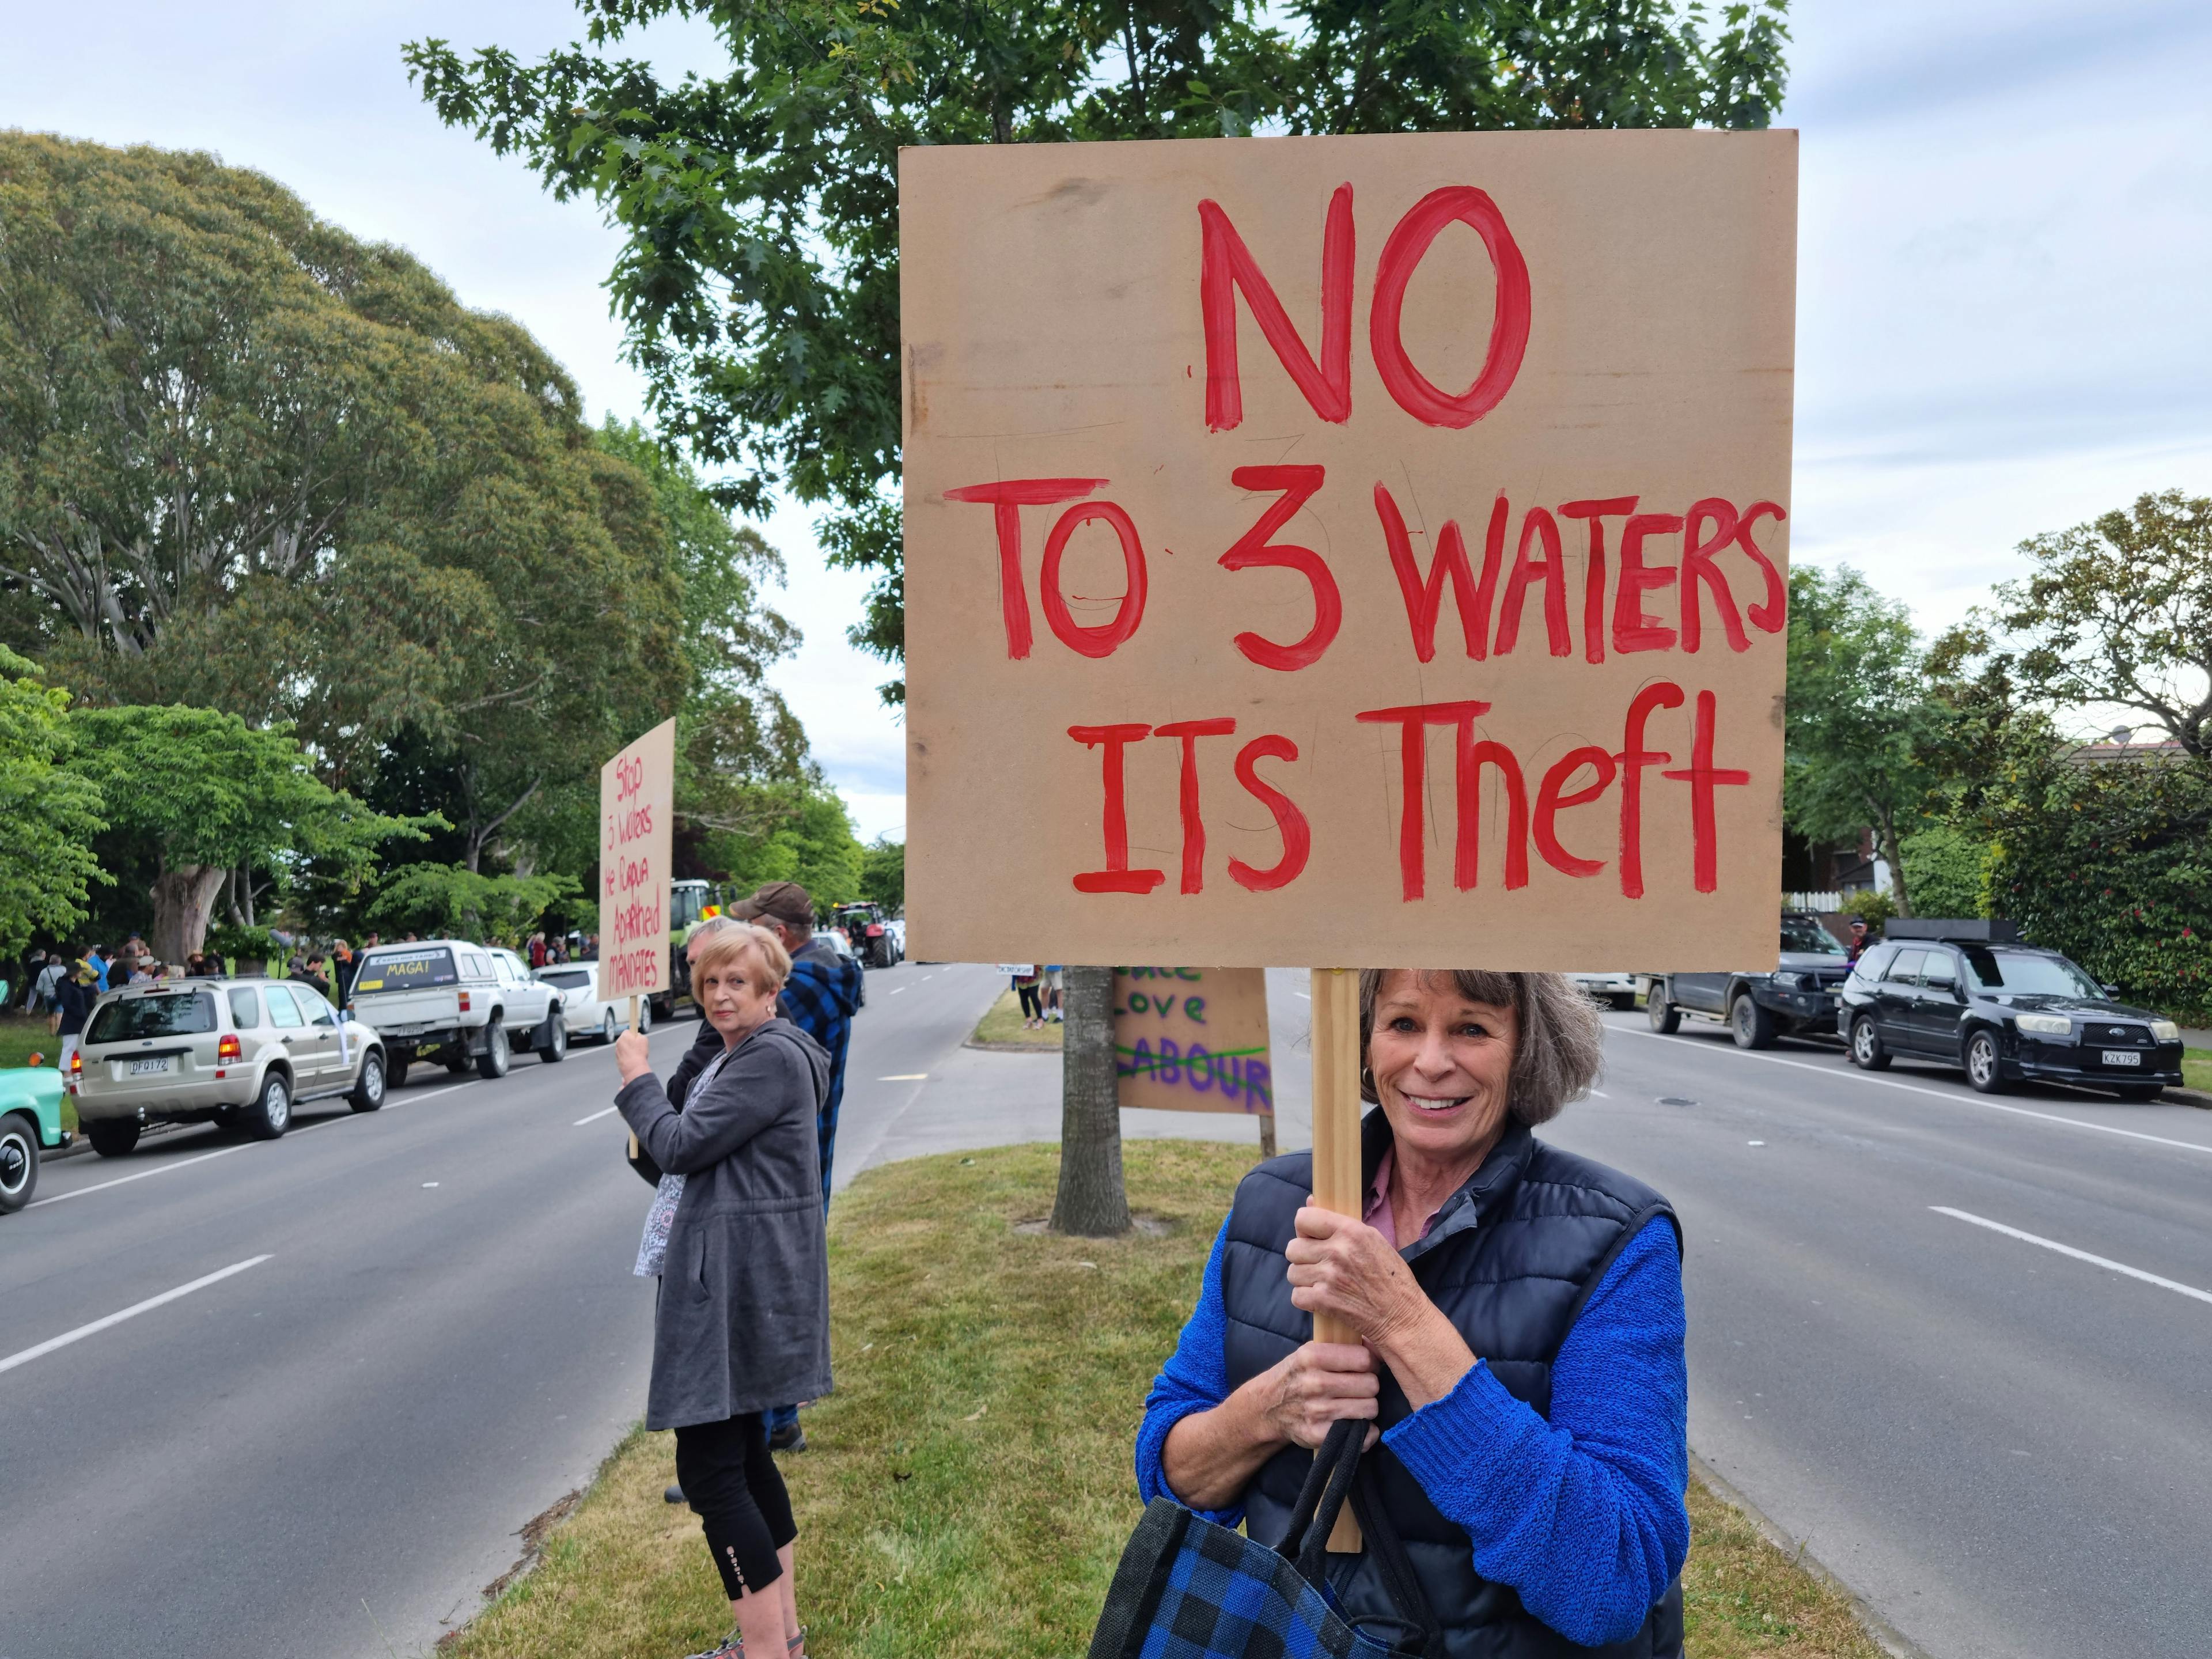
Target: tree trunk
1895 854
184 903
1091 1201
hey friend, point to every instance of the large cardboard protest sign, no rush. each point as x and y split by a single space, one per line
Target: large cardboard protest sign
1192 1040
1355 551
637 810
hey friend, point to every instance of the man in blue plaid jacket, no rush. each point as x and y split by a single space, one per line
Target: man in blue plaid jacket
819 998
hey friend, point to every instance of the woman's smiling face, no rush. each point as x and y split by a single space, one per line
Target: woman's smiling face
1441 1064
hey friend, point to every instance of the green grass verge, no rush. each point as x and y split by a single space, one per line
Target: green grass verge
23 1035
1002 1027
967 1489
2196 1068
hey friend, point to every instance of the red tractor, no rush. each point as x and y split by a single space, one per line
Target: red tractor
873 942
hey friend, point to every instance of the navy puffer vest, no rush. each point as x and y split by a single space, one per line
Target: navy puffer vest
1510 1259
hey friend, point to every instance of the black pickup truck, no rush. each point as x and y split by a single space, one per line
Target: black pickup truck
1798 998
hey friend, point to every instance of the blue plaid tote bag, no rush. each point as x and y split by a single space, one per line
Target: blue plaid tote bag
1190 1588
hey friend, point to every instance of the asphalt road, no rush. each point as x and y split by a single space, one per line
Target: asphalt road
428 1334
2005 1449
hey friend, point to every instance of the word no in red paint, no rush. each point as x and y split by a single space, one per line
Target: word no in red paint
1290 823
1227 268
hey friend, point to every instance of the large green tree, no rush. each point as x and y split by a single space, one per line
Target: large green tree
758 277
215 799
248 462
1861 723
48 813
2117 613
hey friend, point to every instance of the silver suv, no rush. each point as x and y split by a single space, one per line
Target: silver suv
241 1052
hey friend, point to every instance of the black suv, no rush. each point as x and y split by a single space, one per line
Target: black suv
1969 993
1798 998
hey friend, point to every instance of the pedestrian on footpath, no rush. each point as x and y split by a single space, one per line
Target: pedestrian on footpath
46 990
1520 1346
1027 988
76 996
734 1212
820 997
1051 998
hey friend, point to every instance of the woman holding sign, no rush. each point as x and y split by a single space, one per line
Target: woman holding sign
1521 1360
735 1237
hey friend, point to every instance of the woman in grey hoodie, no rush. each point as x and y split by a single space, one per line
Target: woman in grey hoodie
735 1237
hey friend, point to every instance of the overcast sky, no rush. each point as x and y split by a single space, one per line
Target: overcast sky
2005 228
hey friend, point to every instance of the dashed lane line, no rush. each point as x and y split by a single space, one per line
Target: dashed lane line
1941 1094
2105 1262
594 1118
131 1312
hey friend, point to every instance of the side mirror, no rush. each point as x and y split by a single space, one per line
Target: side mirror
2112 990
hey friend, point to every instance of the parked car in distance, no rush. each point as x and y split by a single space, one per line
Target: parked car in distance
30 1122
241 1052
1798 998
1969 994
1619 989
577 985
459 1003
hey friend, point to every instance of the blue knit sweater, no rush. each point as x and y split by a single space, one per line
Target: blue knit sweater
1583 1514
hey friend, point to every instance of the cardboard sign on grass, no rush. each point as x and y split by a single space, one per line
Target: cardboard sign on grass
1193 1039
637 809
1359 552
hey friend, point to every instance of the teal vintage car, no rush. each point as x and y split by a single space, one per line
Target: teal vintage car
30 1121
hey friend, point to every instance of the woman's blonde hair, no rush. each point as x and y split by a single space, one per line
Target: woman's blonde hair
717 950
1557 1054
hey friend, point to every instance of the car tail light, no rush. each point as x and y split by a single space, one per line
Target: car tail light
76 1065
228 1048
465 1002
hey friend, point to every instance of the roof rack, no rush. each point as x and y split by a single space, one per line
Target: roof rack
1958 931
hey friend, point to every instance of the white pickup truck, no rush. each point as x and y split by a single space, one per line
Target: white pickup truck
458 1003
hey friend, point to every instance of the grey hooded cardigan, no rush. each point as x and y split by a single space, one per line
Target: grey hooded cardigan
742 1321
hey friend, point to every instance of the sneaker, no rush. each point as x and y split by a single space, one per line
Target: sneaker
674 1494
790 1438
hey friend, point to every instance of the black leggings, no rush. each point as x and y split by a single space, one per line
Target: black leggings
1032 1002
734 1487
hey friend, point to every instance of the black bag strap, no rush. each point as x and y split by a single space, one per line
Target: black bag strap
1326 1485
1395 1564
1340 1475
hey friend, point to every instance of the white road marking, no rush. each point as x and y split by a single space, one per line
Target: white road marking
2105 1262
906 1076
896 990
1600 1094
123 1180
243 1147
1302 996
1856 1076
594 1117
131 1312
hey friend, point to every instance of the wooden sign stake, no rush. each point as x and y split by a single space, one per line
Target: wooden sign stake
632 1026
1336 1172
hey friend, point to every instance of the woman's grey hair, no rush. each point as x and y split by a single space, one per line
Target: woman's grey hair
1557 1055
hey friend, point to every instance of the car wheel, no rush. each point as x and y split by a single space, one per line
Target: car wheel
1623 1001
19 1162
395 1068
368 1088
607 1027
492 1063
1867 1050
1751 1025
1983 1069
553 1039
459 1064
2138 1092
1665 1018
271 1114
113 1138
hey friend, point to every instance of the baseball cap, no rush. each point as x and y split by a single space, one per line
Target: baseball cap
786 901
